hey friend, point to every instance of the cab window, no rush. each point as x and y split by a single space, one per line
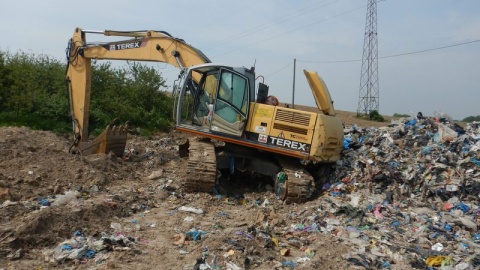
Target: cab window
233 89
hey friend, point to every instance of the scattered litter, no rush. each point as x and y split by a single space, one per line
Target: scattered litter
68 197
195 234
82 247
190 209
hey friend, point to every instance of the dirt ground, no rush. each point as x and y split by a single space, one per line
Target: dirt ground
137 201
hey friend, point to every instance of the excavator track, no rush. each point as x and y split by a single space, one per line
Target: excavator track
201 167
293 184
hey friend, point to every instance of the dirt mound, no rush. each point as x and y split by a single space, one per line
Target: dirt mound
54 224
138 197
36 170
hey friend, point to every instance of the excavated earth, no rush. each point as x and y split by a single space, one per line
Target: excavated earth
138 196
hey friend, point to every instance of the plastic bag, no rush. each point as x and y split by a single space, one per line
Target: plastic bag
445 134
70 196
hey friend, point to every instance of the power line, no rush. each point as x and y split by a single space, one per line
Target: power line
330 62
279 20
293 30
432 49
393 55
275 72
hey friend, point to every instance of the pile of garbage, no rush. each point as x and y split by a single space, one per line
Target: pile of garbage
404 196
81 247
408 194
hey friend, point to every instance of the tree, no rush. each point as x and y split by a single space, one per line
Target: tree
21 88
471 119
33 93
152 106
130 94
51 100
3 79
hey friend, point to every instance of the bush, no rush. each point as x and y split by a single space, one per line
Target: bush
33 94
400 115
375 116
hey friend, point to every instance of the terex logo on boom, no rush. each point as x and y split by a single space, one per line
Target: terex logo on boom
125 46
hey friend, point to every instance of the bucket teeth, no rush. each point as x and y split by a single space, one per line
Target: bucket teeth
112 139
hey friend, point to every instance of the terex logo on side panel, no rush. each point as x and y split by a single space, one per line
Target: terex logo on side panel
288 144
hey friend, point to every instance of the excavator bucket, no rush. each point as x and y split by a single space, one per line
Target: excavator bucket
113 139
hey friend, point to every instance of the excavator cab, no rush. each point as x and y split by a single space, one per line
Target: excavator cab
221 99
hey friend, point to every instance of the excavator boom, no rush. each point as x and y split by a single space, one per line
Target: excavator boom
153 46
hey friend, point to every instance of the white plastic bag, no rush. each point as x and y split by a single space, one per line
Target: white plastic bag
70 196
445 134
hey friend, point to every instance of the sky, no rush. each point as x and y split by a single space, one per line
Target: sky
429 50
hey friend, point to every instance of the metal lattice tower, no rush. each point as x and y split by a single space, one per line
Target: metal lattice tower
368 99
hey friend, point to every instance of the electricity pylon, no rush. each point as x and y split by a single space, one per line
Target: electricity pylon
368 99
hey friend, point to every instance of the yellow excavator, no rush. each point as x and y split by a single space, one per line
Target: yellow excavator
244 128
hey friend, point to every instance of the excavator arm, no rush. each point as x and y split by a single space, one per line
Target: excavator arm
153 46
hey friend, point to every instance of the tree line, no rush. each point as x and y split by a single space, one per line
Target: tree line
33 93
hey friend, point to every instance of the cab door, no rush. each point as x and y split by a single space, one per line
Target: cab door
231 104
